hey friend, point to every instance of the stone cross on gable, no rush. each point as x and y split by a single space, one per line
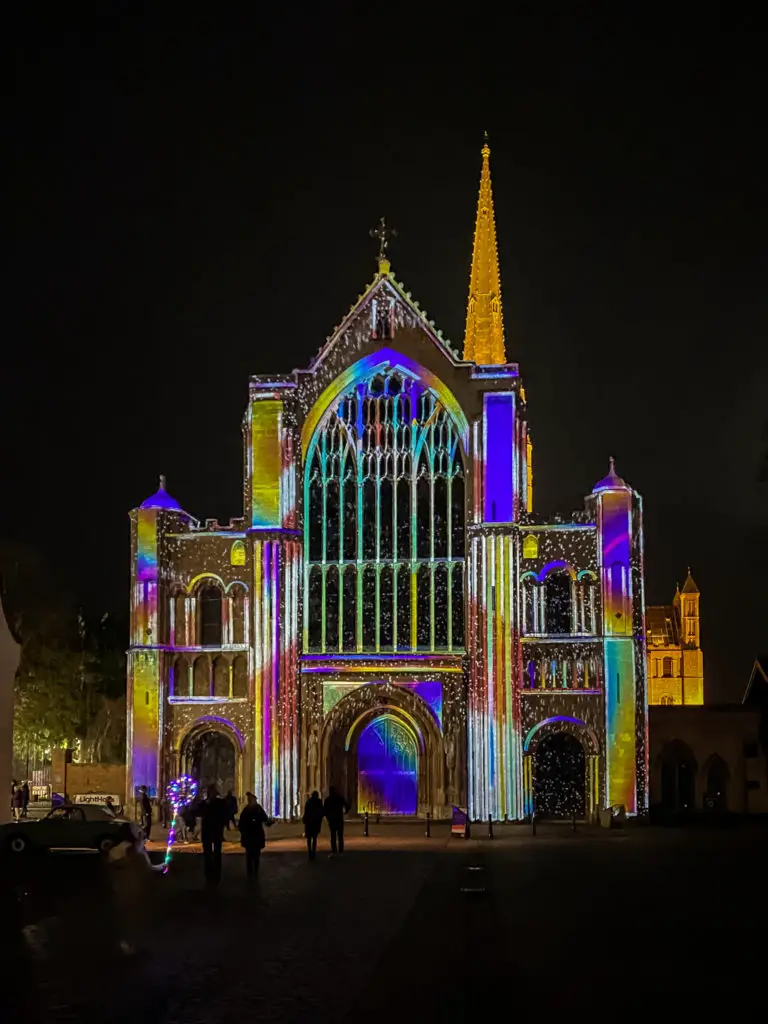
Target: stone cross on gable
383 233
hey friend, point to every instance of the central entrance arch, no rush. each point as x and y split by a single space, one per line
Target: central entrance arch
387 768
559 776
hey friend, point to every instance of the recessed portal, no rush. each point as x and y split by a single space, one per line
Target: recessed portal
209 757
559 779
388 768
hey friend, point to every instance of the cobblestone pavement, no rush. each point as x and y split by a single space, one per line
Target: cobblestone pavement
405 928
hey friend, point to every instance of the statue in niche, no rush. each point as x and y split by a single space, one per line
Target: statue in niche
312 748
450 750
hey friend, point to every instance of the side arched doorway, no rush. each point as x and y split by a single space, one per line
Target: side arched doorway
561 769
210 756
560 777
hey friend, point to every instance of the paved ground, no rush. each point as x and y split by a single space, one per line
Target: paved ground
405 928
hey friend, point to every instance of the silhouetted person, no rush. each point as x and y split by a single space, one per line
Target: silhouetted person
18 802
25 797
334 808
253 818
213 821
313 821
231 801
146 812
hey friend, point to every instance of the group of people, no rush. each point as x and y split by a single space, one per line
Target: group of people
209 817
216 814
333 810
19 799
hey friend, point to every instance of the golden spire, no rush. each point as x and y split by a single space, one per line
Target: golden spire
484 337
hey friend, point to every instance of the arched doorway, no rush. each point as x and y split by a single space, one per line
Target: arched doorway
678 779
560 777
387 768
209 756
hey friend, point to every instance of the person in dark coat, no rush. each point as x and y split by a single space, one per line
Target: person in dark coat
334 808
213 821
25 795
18 802
313 821
253 818
231 801
146 812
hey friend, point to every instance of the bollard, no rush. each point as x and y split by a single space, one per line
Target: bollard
467 828
490 827
378 817
533 823
427 831
573 822
365 824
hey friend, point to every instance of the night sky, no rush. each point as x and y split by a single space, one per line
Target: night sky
191 204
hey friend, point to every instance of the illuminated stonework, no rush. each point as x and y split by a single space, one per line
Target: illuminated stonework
675 657
389 615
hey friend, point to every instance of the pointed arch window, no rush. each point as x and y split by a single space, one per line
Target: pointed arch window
384 522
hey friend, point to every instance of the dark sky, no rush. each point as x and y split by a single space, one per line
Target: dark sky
191 203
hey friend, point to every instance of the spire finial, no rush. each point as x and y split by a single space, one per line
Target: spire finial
383 233
484 335
612 464
162 481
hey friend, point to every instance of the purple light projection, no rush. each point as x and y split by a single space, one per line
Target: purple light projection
387 765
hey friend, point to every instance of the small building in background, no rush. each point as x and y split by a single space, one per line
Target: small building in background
712 759
675 657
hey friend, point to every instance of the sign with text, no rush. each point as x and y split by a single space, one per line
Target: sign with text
96 798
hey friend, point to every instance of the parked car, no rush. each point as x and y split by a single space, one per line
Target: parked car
85 826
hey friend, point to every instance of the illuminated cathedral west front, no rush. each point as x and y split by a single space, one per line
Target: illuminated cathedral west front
389 614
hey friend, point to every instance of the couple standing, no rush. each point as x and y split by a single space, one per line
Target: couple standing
334 809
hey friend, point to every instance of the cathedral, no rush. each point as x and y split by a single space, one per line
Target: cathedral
389 614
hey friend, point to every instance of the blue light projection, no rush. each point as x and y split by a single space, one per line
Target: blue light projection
387 768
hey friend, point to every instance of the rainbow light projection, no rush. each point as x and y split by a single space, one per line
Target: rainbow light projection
615 534
275 614
384 518
405 556
266 460
144 704
495 755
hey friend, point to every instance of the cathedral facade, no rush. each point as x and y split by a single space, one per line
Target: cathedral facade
389 614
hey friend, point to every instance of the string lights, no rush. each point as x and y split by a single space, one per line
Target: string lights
180 793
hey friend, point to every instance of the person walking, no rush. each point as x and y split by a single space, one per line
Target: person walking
313 821
189 814
146 813
25 798
17 802
253 818
231 801
334 808
213 820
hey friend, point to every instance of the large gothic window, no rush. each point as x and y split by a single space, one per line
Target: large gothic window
384 523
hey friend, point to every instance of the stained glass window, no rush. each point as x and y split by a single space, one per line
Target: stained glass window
384 523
